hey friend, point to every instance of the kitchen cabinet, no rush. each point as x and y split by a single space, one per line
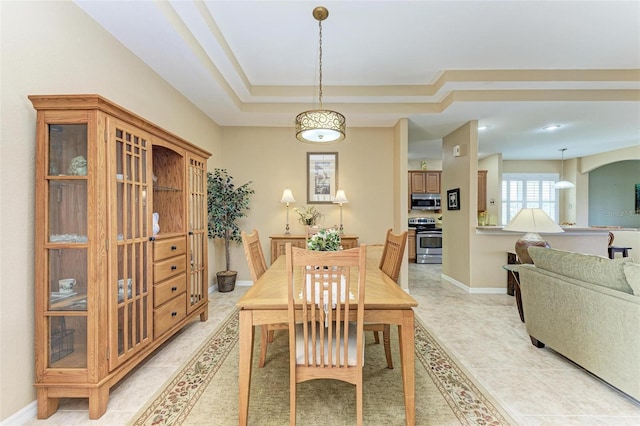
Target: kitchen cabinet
109 288
278 243
411 241
424 182
482 190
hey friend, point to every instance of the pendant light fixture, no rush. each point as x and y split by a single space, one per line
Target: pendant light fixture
320 126
563 184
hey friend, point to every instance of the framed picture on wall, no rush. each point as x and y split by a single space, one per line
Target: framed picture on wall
637 198
453 199
322 177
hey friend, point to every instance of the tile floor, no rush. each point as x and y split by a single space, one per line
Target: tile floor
484 332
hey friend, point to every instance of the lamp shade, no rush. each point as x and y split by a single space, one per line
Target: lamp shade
320 126
340 197
563 184
287 196
531 221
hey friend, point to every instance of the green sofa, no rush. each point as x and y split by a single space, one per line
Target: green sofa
586 308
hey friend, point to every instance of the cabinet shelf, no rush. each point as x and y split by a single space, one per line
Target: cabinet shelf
166 189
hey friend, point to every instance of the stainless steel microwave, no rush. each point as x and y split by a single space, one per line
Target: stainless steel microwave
425 201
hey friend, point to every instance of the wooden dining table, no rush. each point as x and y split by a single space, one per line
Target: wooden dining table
385 303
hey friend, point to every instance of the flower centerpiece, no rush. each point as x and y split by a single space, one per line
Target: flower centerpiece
325 240
309 216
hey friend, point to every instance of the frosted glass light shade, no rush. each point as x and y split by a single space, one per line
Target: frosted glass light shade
320 126
563 184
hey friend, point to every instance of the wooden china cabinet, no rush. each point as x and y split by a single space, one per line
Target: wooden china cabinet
109 289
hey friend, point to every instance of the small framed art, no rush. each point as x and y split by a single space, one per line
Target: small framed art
453 199
322 177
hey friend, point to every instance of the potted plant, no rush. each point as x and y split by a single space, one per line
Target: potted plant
226 203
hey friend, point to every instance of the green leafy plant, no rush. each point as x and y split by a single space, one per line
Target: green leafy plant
325 240
227 203
308 215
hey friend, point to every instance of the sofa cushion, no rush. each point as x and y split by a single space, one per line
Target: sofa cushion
632 272
593 269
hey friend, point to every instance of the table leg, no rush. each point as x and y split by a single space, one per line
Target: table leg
406 336
516 279
246 359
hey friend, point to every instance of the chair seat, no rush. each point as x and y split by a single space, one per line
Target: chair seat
351 345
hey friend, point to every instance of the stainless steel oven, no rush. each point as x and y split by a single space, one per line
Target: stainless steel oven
428 240
429 246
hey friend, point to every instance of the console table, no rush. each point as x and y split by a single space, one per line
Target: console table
512 276
278 242
513 270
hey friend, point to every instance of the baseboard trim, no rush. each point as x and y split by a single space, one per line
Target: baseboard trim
473 290
22 417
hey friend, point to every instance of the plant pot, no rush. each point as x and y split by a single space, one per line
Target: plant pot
226 280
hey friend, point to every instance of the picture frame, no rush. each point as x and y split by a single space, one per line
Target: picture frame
637 198
322 177
453 199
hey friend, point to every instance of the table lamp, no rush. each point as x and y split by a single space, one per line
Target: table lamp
340 199
531 221
287 197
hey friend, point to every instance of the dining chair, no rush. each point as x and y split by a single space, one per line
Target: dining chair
326 318
390 263
310 230
257 267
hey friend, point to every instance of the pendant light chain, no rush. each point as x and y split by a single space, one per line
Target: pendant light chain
320 92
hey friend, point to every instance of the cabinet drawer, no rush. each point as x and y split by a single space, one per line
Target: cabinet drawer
169 267
349 243
169 289
163 249
169 314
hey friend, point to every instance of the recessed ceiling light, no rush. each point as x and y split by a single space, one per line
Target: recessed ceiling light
551 127
483 127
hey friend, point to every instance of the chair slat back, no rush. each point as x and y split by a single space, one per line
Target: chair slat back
323 310
392 254
254 254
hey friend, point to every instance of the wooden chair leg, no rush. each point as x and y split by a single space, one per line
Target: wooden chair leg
359 399
264 334
387 344
377 337
270 339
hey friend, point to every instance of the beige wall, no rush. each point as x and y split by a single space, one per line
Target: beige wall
459 172
274 160
54 48
401 189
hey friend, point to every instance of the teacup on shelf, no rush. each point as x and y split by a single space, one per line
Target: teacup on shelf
66 285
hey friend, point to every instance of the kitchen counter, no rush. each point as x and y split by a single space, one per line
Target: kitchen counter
568 230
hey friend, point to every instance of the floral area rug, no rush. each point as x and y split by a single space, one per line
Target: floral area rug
205 390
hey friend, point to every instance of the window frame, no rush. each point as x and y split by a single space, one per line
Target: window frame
537 191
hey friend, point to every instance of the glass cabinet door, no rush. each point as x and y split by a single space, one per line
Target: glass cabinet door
67 245
129 287
197 180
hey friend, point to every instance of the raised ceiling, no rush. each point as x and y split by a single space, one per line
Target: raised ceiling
515 66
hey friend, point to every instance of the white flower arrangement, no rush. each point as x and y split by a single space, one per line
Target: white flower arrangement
308 215
325 240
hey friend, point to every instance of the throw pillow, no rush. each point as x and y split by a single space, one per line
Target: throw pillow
593 269
632 272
